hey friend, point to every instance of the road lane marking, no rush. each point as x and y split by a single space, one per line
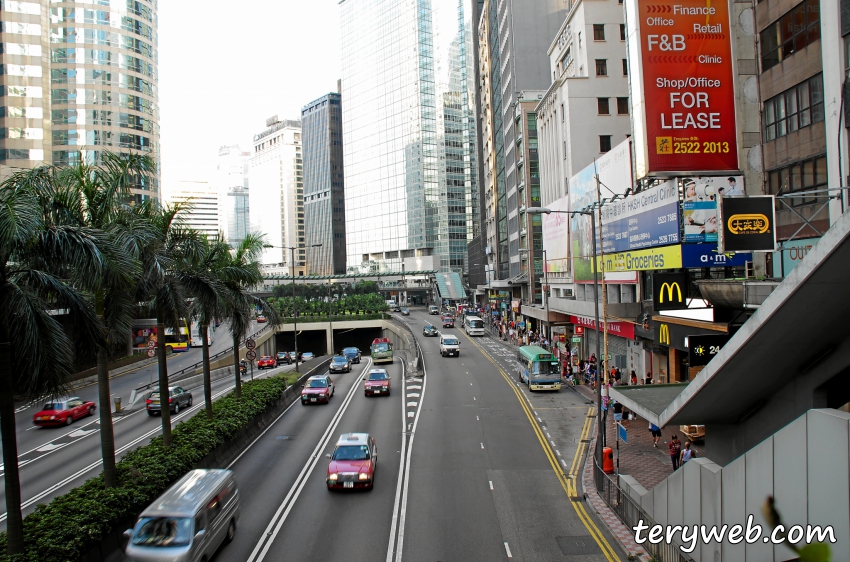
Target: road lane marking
567 482
491 484
276 523
482 445
412 404
413 395
508 550
411 414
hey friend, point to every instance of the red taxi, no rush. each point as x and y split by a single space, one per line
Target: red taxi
318 388
448 321
353 462
266 362
64 411
377 382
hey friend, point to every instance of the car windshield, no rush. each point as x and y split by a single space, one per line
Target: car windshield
351 351
340 359
163 531
450 341
351 453
54 406
381 347
378 376
318 383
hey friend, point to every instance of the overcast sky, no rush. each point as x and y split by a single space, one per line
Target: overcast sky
224 67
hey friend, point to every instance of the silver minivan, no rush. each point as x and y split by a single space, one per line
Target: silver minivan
189 521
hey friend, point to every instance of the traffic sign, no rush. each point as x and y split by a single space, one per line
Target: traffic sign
576 339
151 344
151 352
251 355
250 344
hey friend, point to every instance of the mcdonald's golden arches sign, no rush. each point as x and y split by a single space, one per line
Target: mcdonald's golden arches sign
670 291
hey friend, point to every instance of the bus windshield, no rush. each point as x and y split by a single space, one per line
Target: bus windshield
544 368
476 323
381 347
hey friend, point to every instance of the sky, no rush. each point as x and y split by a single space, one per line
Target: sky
225 67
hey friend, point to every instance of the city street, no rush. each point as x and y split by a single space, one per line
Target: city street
53 460
481 483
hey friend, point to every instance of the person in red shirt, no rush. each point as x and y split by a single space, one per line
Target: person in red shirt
675 447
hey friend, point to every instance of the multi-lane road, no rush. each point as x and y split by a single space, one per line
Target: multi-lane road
54 460
468 470
471 466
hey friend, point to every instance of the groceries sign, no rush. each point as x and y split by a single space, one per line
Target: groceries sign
685 67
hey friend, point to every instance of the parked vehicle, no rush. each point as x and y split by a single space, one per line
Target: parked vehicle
64 411
353 462
177 398
189 522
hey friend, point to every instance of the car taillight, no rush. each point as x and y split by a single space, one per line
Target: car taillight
148 401
169 400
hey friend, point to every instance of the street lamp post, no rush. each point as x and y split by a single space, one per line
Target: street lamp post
600 433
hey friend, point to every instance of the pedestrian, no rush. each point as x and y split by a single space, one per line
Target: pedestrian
627 417
618 412
686 454
633 382
675 447
648 379
656 434
617 375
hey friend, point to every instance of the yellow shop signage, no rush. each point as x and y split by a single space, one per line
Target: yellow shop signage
666 257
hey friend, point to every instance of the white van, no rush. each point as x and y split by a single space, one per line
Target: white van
189 521
449 345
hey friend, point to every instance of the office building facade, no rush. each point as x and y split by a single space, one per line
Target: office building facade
200 204
78 81
324 197
512 42
408 132
276 197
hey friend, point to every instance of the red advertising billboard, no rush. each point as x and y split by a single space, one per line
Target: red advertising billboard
688 98
622 329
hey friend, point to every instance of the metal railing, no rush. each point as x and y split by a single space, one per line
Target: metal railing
630 513
186 372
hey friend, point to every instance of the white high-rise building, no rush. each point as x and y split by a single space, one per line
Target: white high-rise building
276 197
201 202
231 182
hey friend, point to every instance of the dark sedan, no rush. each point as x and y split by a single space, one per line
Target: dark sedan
352 353
430 331
177 398
340 364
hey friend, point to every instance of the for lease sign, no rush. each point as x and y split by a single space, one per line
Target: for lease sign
688 92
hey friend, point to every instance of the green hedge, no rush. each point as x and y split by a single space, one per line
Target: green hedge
71 525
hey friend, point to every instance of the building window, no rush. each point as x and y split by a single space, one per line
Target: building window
808 175
599 32
794 108
790 33
622 32
625 67
622 106
562 113
565 150
602 106
601 67
604 143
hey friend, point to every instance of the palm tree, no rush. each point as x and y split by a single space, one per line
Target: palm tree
241 273
43 263
99 198
169 277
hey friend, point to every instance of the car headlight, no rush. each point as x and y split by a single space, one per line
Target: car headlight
53 417
364 476
333 477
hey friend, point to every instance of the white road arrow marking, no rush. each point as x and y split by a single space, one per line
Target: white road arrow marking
47 447
81 432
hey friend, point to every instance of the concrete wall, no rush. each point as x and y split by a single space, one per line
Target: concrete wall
805 466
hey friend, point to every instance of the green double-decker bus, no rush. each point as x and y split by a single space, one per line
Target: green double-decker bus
538 368
382 351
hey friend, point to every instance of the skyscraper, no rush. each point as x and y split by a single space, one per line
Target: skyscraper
79 80
409 132
232 172
324 198
200 202
276 197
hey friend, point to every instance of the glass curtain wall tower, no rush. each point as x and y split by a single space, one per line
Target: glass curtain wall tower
409 132
324 200
79 78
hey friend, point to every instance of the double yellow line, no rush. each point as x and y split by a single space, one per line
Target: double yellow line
567 480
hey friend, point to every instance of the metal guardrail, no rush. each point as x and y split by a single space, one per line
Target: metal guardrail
630 513
177 376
